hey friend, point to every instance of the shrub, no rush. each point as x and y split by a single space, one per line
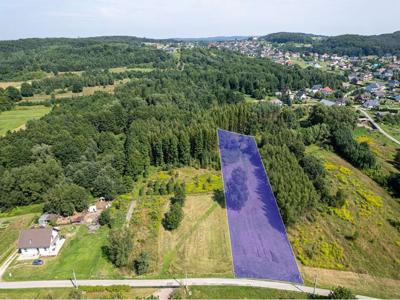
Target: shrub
141 265
341 293
105 218
173 217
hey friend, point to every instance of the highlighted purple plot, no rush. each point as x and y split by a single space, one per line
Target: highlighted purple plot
260 247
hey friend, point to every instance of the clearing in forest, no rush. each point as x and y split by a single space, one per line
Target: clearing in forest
16 119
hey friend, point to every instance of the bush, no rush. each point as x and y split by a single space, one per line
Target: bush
120 244
394 184
173 217
105 218
141 265
341 293
100 288
312 166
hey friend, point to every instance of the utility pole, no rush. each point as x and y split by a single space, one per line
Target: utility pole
75 281
315 283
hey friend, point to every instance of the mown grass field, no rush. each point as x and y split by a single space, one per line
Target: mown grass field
16 119
356 237
82 253
68 293
200 246
238 292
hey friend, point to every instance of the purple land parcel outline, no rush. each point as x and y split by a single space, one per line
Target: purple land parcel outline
260 246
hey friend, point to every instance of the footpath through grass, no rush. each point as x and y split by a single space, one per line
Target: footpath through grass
16 119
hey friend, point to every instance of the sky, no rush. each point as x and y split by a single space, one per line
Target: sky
194 18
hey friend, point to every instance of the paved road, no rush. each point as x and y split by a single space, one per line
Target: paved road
169 283
378 127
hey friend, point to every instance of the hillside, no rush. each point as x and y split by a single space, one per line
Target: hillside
349 44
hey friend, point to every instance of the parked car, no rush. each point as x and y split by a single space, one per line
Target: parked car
38 262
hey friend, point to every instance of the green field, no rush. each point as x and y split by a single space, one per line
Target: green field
69 293
393 130
237 292
16 119
200 246
82 253
9 232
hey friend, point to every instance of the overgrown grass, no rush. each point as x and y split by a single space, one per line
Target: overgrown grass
356 237
23 210
16 119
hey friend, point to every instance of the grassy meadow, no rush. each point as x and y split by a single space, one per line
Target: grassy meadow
16 119
237 292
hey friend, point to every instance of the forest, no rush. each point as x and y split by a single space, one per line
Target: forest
99 145
22 59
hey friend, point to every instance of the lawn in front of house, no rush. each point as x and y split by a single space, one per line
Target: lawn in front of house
82 253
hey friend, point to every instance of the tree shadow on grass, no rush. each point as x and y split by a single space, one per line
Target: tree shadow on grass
219 197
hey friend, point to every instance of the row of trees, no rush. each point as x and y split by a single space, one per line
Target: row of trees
174 216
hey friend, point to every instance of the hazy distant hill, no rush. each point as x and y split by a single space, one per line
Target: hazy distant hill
290 37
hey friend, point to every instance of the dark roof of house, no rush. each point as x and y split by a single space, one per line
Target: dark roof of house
35 238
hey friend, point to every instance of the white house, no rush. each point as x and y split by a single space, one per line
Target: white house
37 242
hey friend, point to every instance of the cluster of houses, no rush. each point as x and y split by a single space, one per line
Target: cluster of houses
375 74
45 238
